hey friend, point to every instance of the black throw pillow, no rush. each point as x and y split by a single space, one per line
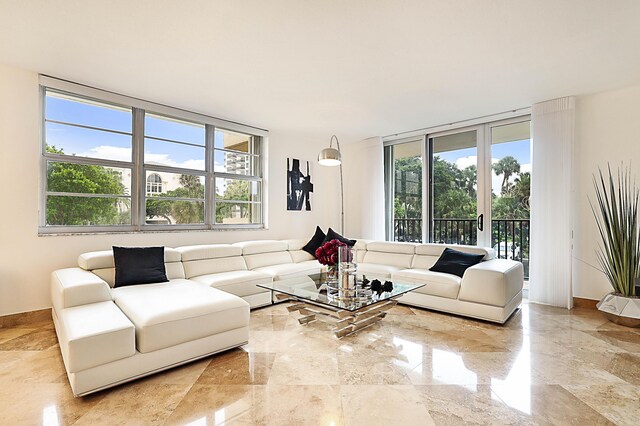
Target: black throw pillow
139 265
333 235
455 262
315 242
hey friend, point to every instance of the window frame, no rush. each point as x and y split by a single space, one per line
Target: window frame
139 169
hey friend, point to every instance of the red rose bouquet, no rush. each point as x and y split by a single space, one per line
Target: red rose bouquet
327 254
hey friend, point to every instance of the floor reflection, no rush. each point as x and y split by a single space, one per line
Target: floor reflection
544 366
449 368
515 389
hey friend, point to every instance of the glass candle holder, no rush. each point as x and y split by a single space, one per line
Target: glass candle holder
347 268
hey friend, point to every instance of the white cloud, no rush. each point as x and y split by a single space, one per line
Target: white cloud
124 154
464 162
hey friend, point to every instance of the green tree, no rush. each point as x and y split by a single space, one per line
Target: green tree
236 190
84 179
408 187
179 211
507 167
454 190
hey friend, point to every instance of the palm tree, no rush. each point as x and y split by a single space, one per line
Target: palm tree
507 166
192 184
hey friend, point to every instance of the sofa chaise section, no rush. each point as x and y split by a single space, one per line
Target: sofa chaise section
113 335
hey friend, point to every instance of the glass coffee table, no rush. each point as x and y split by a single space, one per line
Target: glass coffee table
351 309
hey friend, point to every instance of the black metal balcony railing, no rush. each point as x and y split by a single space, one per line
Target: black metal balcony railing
509 237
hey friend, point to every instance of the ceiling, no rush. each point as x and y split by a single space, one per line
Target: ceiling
356 68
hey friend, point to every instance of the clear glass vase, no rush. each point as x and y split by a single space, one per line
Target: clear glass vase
332 275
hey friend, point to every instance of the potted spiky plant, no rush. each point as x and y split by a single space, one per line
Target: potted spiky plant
616 215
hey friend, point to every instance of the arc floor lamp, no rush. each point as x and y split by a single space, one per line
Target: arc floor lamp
333 157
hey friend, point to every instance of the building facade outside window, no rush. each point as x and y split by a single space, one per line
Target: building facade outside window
113 163
154 184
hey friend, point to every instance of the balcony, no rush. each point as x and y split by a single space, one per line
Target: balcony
509 237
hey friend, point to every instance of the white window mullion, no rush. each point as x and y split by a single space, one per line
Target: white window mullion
138 175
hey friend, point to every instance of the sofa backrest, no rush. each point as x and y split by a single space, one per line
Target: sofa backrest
211 259
361 249
101 263
295 250
427 254
390 253
258 254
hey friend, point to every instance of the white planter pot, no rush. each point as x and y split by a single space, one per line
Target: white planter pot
623 310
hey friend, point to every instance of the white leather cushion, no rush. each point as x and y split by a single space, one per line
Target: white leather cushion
240 283
279 272
362 244
75 286
175 271
423 261
300 256
264 246
373 270
392 247
296 244
254 261
391 259
213 266
94 334
494 282
104 259
168 314
436 283
437 249
210 251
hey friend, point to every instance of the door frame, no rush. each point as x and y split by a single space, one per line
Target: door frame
481 167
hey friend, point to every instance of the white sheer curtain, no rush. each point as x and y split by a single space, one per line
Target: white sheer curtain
551 184
364 189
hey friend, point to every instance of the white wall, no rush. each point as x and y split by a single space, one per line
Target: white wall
26 259
607 130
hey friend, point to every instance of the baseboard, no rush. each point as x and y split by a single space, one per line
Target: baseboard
25 318
579 302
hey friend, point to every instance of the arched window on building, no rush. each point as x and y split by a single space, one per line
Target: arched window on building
154 184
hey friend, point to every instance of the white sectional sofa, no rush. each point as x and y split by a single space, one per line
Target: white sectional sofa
112 335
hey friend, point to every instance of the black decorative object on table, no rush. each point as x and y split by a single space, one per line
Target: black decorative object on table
388 286
365 281
376 286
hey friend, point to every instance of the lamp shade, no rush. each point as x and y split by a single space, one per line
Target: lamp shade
329 157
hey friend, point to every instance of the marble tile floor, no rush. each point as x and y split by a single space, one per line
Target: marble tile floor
545 366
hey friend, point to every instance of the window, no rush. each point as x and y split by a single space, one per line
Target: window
112 163
154 184
238 189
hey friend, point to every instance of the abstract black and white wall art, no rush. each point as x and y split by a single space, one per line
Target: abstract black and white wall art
299 186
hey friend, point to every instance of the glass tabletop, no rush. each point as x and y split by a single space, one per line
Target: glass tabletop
315 289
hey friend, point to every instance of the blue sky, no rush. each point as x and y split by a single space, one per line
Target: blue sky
99 144
521 150
518 149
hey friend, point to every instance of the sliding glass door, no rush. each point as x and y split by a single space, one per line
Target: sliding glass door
511 190
404 166
467 186
456 198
